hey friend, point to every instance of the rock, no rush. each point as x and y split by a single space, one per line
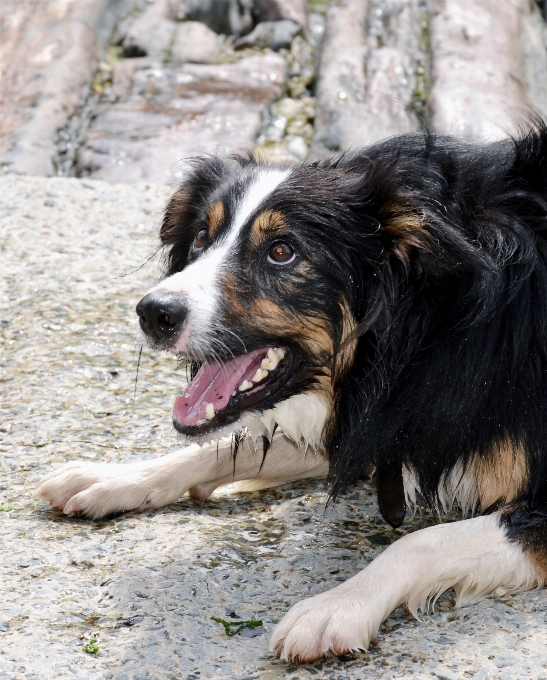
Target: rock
366 78
297 146
277 10
151 33
533 42
299 115
446 674
272 34
228 17
301 64
47 61
194 42
165 114
287 130
252 632
477 75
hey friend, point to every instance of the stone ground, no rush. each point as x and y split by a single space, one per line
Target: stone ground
146 585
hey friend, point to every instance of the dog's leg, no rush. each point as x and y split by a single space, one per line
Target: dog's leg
474 556
96 489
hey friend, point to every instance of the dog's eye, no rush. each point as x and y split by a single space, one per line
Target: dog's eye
200 240
281 253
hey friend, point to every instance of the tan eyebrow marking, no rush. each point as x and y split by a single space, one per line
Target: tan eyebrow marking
215 215
268 221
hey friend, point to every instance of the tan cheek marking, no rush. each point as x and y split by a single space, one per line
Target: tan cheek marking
215 216
233 297
309 330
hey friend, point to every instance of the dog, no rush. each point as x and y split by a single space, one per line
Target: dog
383 307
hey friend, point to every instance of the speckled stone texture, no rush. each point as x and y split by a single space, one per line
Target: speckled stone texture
146 585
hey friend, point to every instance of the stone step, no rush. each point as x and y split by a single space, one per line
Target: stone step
162 113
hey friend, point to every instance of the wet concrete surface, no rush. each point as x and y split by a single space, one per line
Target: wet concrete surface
145 586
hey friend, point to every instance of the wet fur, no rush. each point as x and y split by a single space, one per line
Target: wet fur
433 251
416 319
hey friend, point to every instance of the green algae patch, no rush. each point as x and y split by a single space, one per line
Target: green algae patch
239 625
6 508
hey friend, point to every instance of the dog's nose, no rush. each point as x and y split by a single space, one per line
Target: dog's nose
161 315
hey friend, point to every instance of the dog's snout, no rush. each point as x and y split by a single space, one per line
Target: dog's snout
161 315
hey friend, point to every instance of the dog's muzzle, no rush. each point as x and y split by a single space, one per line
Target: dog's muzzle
161 315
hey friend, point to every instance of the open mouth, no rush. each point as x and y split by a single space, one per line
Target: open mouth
220 392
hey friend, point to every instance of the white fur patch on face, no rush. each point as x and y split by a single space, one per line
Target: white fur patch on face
199 281
473 556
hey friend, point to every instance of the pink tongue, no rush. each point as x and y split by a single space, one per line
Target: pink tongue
214 384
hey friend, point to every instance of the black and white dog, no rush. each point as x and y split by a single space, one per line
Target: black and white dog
385 307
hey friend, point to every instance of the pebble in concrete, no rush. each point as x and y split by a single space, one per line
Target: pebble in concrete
145 585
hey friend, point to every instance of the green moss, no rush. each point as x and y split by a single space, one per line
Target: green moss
6 508
91 647
419 94
318 6
113 54
103 75
240 625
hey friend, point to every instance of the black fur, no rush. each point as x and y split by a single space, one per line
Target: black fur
439 249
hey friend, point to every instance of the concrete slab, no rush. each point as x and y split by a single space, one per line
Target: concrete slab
146 585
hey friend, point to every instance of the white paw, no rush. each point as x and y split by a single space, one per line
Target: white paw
96 489
333 623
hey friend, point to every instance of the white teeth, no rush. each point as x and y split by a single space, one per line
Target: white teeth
271 360
259 375
173 398
234 393
210 412
272 355
280 352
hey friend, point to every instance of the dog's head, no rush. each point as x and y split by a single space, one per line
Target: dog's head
269 270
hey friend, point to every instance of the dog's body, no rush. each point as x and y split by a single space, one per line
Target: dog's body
387 308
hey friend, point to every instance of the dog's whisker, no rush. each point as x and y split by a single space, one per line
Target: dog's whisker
137 374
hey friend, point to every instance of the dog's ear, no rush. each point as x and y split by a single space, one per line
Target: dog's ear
201 177
406 232
177 212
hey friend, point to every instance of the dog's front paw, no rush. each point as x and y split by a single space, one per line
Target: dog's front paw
333 623
96 489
